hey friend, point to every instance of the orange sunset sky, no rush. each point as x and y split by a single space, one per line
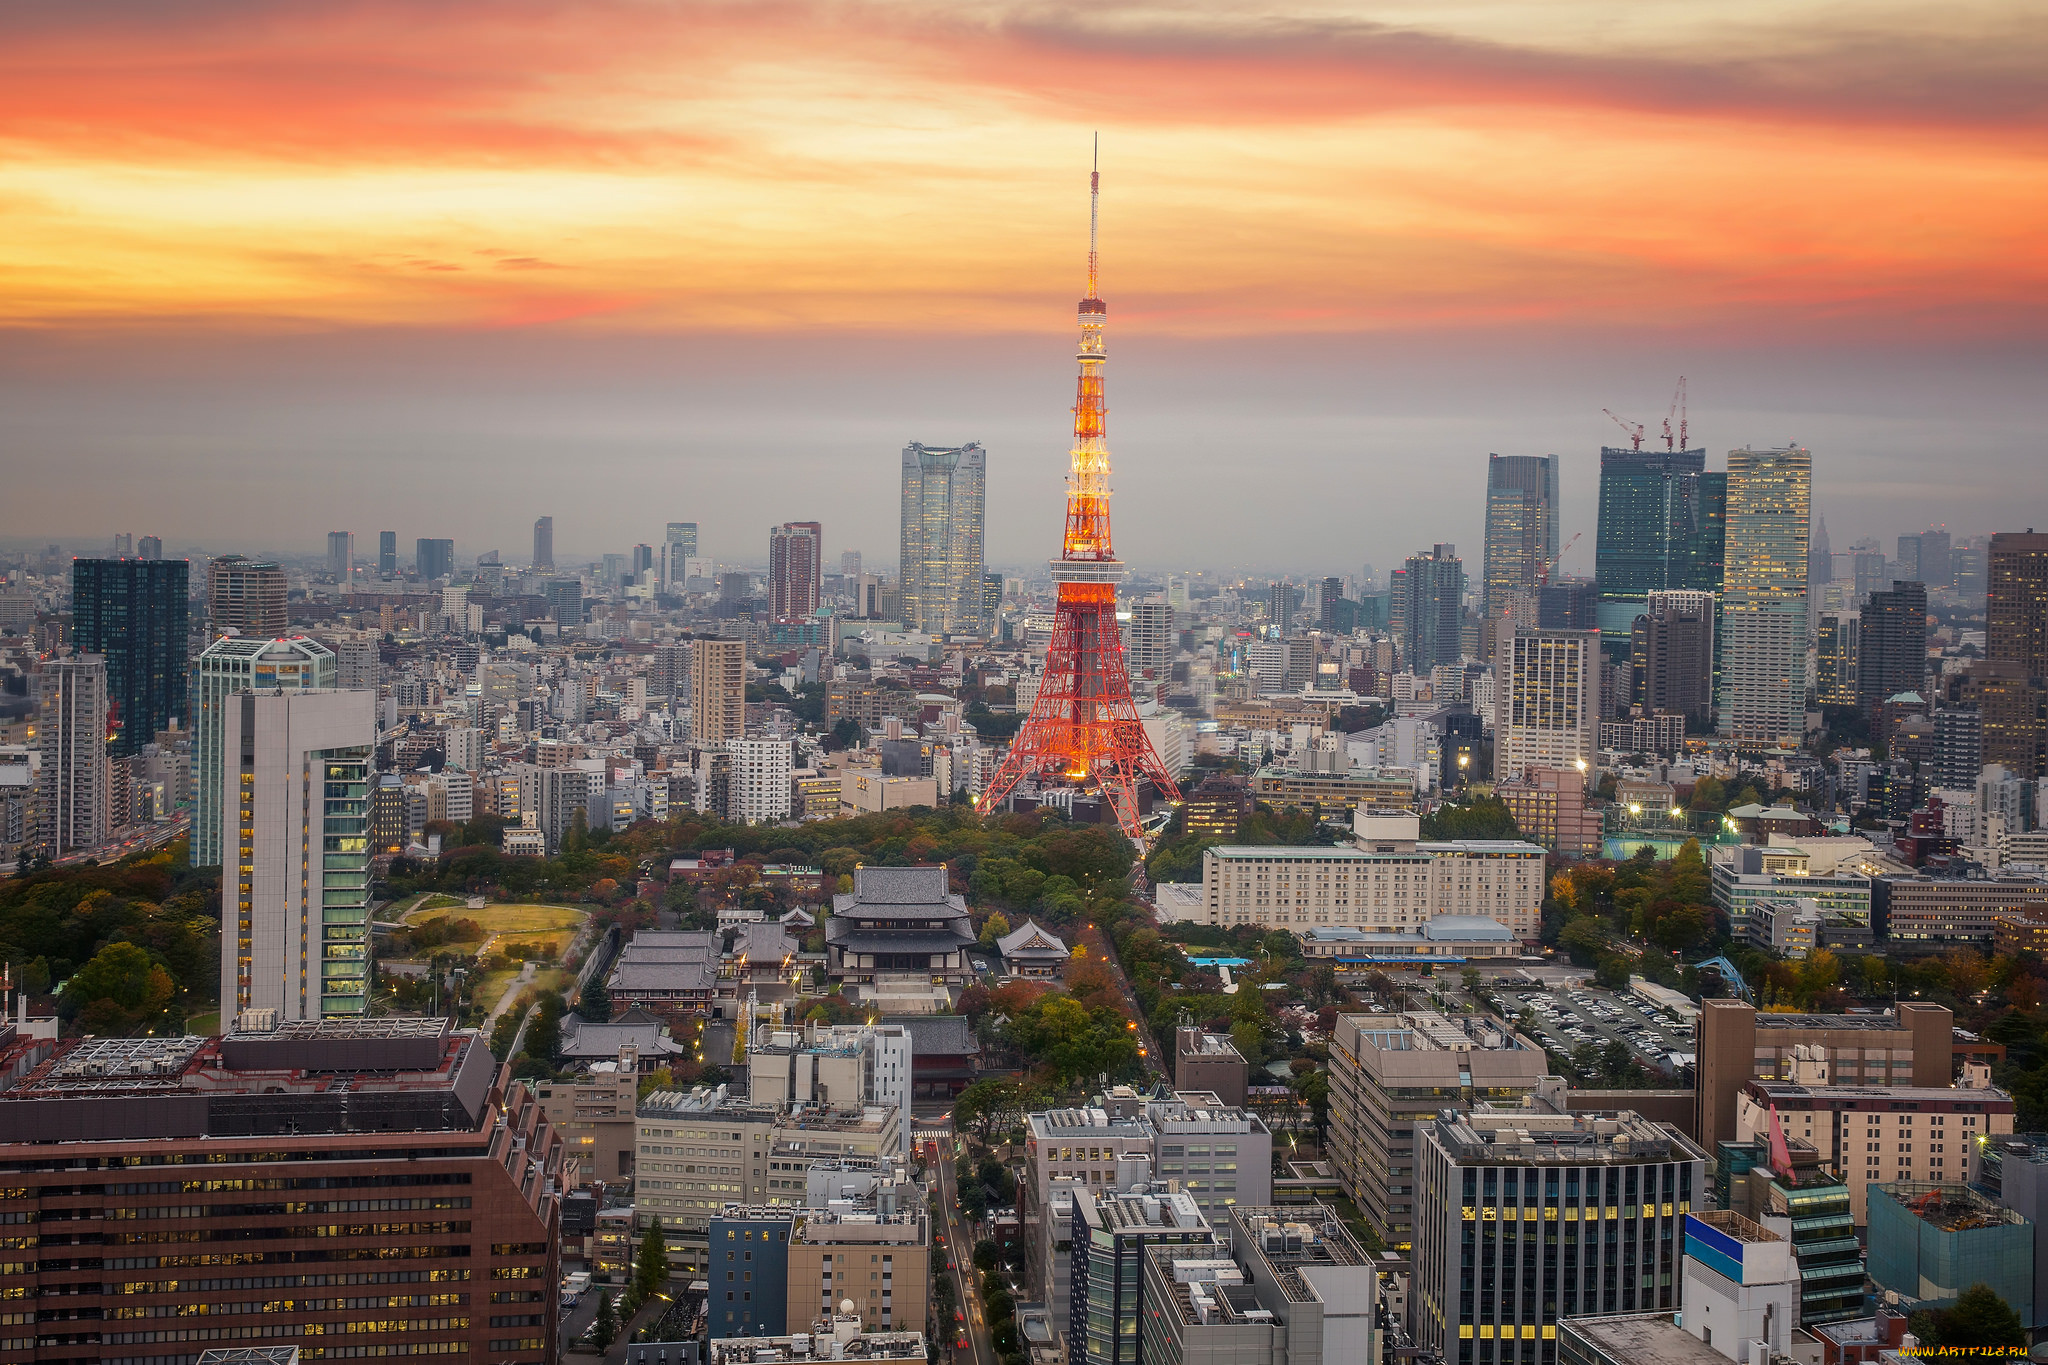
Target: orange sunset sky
522 257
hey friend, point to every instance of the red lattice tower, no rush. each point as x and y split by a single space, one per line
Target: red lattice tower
1084 729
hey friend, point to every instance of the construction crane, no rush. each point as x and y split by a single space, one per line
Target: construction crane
1678 411
1543 578
1634 429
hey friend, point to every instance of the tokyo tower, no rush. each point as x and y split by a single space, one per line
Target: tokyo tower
1084 730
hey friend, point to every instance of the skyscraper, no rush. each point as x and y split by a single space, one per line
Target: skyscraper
228 666
1151 639
849 563
245 596
643 559
1891 655
1521 525
795 569
944 492
1326 603
387 554
1671 654
1280 600
1662 525
1547 713
341 552
1838 641
72 797
718 692
150 547
544 544
2012 684
1763 603
135 613
434 558
295 796
1820 561
682 535
1431 587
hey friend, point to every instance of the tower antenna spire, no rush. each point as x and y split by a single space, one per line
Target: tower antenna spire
1094 205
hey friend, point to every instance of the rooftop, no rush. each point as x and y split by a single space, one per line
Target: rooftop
1428 1031
1891 1096
1644 1337
1951 1208
329 1076
1291 1238
1529 1135
824 1344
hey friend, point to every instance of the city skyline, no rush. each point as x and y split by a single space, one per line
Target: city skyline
486 283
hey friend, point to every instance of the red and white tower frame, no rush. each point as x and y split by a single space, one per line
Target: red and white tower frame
1084 729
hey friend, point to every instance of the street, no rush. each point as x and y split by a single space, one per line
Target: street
959 1250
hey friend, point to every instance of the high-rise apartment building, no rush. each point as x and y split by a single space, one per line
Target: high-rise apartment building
1662 523
73 802
387 554
718 691
1431 587
944 492
849 563
1762 648
1390 1072
246 597
761 771
341 553
149 547
1837 642
231 665
135 613
2016 683
1547 708
544 544
1521 525
1603 1195
1891 652
295 812
434 558
795 569
565 600
1151 639
1671 655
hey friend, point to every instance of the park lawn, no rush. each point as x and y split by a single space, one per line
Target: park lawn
502 918
203 1025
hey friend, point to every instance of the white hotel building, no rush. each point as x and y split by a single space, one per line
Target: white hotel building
1386 882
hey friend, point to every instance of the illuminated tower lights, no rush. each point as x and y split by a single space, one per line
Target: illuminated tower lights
1084 728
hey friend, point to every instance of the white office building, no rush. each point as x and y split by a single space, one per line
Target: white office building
231 665
295 813
761 771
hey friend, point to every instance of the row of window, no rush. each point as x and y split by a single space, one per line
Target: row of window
309 1232
288 1282
215 1310
365 1327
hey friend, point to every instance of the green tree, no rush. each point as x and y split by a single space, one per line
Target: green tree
993 928
650 1267
1979 1318
120 991
595 1002
605 1330
1249 1037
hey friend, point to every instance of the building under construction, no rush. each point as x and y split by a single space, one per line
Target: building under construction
1929 1243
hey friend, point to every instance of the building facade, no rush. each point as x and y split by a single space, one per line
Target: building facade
386 1179
135 614
1390 1072
1547 712
246 597
1393 891
295 811
1891 650
796 557
1662 526
1430 612
544 544
944 491
1599 1197
230 665
718 691
1762 649
1521 526
73 802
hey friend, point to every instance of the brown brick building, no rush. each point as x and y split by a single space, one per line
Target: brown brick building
1736 1045
348 1188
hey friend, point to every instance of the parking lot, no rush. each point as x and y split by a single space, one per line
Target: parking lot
1569 1016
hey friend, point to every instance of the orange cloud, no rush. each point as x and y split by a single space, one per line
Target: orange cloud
625 163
